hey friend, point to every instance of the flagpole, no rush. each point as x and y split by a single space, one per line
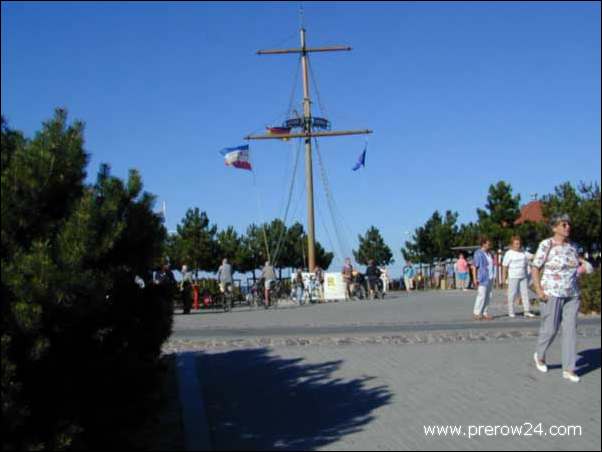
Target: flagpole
307 134
309 178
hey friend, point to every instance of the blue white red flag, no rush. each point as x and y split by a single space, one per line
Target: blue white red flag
361 161
237 157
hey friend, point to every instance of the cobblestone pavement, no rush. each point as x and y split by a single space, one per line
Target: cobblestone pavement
438 337
371 375
397 308
420 318
381 398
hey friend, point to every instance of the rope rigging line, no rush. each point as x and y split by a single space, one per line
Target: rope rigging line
330 241
330 199
300 212
278 44
315 85
339 213
289 111
298 203
287 114
285 180
338 210
260 208
303 214
288 204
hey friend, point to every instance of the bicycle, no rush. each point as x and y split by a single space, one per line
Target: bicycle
258 294
357 289
227 296
375 288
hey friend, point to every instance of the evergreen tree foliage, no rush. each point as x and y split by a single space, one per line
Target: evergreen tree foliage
468 234
229 244
196 242
323 258
296 247
583 205
296 250
372 246
80 339
253 250
498 222
502 210
532 234
434 240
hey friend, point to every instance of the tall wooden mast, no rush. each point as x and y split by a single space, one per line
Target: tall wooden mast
307 134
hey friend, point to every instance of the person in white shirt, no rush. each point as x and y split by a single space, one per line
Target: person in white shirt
384 276
514 267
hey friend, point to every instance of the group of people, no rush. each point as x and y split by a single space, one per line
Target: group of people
455 275
368 285
555 269
374 281
165 278
301 288
309 287
552 272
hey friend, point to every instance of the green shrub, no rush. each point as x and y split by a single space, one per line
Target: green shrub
80 339
590 292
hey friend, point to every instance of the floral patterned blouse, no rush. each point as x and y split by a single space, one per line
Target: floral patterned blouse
560 263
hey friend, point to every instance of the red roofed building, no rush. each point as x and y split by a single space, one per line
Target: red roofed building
531 212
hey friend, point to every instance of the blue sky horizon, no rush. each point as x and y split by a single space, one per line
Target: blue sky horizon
460 95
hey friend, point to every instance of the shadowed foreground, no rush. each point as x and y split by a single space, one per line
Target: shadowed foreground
257 401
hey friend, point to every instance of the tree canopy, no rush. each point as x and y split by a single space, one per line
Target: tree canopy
582 204
434 240
372 246
73 316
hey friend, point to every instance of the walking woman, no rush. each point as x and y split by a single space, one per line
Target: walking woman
462 271
555 279
484 275
514 267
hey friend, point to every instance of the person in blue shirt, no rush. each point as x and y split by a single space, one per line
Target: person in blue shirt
484 274
408 276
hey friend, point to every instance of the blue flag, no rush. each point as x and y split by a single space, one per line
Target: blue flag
361 161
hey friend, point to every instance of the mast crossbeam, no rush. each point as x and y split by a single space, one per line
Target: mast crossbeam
333 133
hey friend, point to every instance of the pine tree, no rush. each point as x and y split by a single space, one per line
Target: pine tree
252 250
583 205
198 247
78 334
323 258
434 240
229 244
372 246
503 209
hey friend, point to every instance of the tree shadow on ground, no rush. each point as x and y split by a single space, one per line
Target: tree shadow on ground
257 401
589 360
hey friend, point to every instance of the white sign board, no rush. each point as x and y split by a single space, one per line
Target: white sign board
334 286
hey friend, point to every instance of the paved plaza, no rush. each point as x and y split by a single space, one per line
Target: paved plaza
372 375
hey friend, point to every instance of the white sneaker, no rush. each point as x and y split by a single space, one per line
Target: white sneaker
530 315
512 315
571 376
541 367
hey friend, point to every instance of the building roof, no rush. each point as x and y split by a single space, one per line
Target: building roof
531 212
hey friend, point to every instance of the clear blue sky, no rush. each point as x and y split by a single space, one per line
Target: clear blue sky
459 95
